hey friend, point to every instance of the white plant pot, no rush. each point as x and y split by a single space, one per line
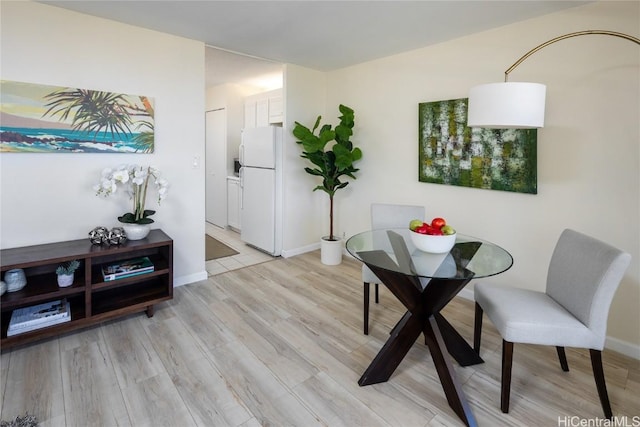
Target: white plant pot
330 251
65 280
136 231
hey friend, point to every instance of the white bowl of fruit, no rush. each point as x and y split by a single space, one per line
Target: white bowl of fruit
436 237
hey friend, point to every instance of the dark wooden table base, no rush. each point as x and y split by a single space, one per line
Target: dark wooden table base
424 299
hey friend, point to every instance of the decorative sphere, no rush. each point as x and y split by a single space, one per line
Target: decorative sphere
117 236
98 235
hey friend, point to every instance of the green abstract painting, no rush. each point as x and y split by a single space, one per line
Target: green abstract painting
454 154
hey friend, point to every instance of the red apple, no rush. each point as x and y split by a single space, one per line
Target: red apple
438 223
422 229
431 230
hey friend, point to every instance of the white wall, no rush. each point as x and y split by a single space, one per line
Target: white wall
588 153
304 99
231 98
49 197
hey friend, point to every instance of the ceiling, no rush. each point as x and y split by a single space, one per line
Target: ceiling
322 35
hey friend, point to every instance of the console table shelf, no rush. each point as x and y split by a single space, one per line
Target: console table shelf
92 299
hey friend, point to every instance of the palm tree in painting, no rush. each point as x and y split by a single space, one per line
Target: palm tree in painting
98 112
145 138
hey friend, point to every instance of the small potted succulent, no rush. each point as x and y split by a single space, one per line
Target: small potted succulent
66 272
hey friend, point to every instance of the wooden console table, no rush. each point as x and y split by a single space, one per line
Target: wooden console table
92 299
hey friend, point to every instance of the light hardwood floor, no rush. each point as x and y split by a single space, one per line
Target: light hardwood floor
280 343
246 255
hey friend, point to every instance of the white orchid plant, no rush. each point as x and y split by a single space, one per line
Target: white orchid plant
135 179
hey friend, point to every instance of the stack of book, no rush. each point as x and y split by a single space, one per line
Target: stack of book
39 316
128 268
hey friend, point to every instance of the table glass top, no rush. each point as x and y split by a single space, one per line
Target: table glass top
392 249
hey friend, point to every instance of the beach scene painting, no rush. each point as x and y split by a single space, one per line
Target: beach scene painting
51 119
452 153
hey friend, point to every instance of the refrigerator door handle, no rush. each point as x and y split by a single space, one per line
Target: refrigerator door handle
241 154
241 183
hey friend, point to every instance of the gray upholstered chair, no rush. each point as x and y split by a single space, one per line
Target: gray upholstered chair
385 216
583 276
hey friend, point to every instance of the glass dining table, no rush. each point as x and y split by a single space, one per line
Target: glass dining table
425 283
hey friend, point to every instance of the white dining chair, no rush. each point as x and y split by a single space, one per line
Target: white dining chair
385 216
582 278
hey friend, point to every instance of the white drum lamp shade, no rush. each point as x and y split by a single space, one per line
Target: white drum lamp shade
508 105
518 105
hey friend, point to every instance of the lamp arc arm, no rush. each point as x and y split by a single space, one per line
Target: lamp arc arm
566 36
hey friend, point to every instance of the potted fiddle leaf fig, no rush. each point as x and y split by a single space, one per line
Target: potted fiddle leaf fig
332 157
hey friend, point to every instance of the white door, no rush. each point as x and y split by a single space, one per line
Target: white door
258 189
216 167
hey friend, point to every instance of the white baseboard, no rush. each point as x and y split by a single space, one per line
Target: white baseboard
191 278
299 251
623 347
309 248
615 344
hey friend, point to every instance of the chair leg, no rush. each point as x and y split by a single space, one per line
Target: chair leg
477 328
563 359
366 308
505 387
598 374
377 299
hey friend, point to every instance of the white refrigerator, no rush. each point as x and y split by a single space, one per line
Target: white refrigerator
261 186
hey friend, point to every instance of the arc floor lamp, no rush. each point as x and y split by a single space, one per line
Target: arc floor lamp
518 105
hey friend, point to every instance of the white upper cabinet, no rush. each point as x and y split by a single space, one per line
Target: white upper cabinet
276 108
262 112
263 109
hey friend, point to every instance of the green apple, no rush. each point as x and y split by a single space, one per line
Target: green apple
448 230
415 223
